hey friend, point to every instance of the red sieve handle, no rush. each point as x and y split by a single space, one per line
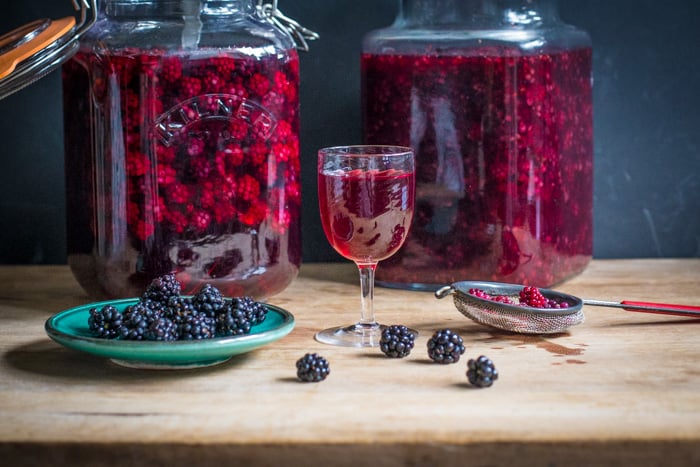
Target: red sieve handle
662 308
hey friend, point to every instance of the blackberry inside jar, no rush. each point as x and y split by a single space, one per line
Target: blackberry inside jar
182 159
503 142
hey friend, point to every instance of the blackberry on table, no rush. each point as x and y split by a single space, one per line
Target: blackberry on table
481 372
208 300
232 322
312 368
196 327
162 288
396 341
162 329
445 346
106 322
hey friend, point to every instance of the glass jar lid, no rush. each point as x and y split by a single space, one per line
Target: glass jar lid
35 49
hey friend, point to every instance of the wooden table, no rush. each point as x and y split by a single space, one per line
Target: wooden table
621 389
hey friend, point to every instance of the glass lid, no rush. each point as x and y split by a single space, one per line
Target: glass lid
35 49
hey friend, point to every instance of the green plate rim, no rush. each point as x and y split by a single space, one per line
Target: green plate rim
174 354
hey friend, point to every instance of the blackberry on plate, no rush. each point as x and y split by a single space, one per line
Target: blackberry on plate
396 341
256 312
137 319
106 322
162 329
178 308
162 314
445 346
312 368
208 300
232 321
481 372
162 288
196 327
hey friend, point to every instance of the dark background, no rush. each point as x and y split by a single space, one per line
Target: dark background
646 107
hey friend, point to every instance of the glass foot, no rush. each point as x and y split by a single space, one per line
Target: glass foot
356 335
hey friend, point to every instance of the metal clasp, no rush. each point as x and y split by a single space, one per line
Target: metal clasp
299 34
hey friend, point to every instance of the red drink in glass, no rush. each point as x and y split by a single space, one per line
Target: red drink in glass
366 214
366 196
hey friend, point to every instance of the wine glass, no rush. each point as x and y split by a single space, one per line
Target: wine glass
366 196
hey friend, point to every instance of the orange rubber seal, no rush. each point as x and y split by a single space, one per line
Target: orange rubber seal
56 29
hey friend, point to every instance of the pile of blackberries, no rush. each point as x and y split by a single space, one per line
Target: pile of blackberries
162 314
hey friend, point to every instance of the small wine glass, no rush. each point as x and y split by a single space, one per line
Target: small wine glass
366 197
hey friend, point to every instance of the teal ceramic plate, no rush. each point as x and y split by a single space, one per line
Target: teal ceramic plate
70 328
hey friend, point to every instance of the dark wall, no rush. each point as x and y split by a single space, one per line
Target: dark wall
647 125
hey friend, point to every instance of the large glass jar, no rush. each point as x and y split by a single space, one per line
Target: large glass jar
495 98
182 149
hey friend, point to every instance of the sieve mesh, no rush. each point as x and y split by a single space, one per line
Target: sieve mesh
526 321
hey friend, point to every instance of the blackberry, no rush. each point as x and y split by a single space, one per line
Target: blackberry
256 312
208 300
178 308
312 368
137 319
445 346
481 372
162 288
162 329
196 327
232 322
106 322
135 333
396 341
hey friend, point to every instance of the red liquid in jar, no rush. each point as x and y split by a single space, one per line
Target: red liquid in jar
504 161
366 215
182 163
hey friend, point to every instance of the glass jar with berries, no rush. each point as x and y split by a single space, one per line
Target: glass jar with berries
181 126
495 98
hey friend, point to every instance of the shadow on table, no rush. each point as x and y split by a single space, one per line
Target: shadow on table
48 359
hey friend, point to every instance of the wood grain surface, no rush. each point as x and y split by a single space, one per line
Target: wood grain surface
621 389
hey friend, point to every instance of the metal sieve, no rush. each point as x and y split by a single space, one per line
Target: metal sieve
528 320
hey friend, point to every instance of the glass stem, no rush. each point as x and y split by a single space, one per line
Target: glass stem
367 293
